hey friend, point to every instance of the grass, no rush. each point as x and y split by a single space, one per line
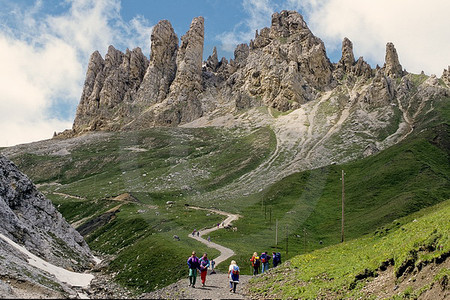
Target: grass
383 192
379 189
340 270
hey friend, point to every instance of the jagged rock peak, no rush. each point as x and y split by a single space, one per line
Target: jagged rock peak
446 76
212 63
162 67
348 59
286 23
183 104
392 66
241 53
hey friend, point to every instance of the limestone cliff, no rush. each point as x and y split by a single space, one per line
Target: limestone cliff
283 67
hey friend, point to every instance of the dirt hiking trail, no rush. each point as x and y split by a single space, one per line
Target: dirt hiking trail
225 253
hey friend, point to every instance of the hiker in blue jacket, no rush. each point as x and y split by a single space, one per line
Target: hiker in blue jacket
265 258
194 265
276 259
233 275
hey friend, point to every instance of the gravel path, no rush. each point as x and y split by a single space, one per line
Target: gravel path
225 252
217 287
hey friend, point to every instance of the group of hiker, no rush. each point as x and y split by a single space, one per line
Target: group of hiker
199 264
263 261
202 264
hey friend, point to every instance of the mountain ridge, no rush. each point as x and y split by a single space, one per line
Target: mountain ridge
283 67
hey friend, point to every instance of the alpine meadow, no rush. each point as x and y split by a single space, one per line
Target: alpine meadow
341 167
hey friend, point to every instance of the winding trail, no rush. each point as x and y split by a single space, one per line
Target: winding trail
225 252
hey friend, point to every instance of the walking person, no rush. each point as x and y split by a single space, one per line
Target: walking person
265 258
256 262
212 263
194 264
276 259
204 264
233 274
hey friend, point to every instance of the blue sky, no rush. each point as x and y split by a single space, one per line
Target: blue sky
45 44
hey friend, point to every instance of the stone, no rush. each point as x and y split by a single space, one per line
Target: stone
446 76
30 219
392 67
162 67
347 59
212 63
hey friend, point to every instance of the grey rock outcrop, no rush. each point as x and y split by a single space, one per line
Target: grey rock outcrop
162 67
187 84
348 59
31 220
110 84
392 66
446 76
283 67
212 63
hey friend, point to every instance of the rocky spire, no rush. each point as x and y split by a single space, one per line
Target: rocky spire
187 84
446 76
162 67
347 60
392 66
189 61
108 83
212 63
286 23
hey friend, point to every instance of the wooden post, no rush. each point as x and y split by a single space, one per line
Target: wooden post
270 216
343 201
304 236
287 241
276 232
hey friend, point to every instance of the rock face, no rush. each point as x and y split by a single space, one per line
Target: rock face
31 220
392 66
283 67
110 84
446 76
162 68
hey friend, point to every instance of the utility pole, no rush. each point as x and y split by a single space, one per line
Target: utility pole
343 201
304 236
270 216
287 241
276 232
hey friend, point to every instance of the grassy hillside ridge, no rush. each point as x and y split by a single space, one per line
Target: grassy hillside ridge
342 270
166 168
379 189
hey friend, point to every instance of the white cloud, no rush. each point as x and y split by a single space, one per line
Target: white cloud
419 30
259 13
44 58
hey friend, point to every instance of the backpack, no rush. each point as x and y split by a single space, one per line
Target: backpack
263 258
278 255
235 270
256 261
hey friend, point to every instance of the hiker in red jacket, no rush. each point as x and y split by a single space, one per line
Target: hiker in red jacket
256 262
204 264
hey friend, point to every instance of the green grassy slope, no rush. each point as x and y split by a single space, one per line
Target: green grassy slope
379 189
178 164
342 270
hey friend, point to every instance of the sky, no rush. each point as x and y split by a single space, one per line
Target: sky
45 44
